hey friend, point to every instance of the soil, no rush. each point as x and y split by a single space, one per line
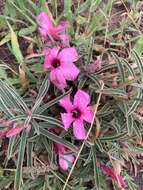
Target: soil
2 3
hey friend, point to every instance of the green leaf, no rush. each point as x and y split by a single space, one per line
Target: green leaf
139 62
96 169
10 147
27 31
18 175
111 91
138 47
15 45
38 68
135 103
5 39
130 124
30 154
41 94
97 21
67 9
129 67
5 181
48 119
12 98
82 7
23 12
94 79
51 103
120 67
58 139
113 137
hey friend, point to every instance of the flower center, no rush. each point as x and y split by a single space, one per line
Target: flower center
56 63
76 113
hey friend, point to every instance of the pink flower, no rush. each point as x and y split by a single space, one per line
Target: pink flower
77 113
10 131
60 63
47 28
110 172
65 158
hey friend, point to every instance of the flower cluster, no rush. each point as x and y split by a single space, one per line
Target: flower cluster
59 60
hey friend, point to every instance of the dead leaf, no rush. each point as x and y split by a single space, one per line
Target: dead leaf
98 128
22 76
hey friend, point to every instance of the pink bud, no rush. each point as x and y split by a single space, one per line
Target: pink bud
14 131
111 172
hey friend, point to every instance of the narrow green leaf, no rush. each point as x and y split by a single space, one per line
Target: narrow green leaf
58 139
84 6
67 9
23 13
138 47
130 124
97 21
113 137
18 175
41 94
5 181
12 94
27 31
49 120
15 45
139 62
96 170
130 69
51 103
10 147
30 154
120 67
135 103
5 39
111 91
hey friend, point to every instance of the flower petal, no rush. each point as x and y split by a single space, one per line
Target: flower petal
60 149
79 130
70 71
67 119
68 55
14 131
66 103
65 40
45 21
57 78
81 99
42 32
65 161
88 114
110 172
61 26
50 54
